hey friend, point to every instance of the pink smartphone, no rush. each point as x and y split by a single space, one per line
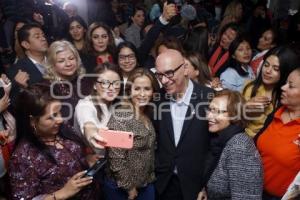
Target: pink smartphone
118 139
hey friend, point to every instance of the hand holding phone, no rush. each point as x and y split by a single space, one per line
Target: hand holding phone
117 139
95 168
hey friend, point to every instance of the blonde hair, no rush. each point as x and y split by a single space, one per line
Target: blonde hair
55 48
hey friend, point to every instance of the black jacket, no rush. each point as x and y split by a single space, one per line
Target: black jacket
188 156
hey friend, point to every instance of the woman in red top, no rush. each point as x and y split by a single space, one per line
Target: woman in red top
278 143
99 48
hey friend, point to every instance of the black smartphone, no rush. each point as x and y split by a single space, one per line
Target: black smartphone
96 167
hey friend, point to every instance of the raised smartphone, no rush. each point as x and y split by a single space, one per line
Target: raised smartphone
95 168
118 139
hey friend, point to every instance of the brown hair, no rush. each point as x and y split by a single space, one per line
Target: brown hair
111 47
101 68
198 63
136 73
235 106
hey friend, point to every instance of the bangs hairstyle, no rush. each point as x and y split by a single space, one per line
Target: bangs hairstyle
111 47
101 68
235 106
122 45
58 47
80 21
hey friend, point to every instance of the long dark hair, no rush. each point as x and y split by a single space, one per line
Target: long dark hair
232 62
32 102
101 68
80 21
196 40
122 45
111 47
288 61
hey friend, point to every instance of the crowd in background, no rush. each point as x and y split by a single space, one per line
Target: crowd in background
210 90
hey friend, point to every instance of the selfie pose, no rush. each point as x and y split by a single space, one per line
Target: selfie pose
130 173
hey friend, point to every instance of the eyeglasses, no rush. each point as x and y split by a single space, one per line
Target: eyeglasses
129 56
215 111
169 74
106 84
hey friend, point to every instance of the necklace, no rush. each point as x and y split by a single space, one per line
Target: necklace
51 142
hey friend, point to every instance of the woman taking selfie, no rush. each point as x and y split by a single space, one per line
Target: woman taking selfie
130 173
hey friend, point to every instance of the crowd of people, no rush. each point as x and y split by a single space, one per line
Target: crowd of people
210 91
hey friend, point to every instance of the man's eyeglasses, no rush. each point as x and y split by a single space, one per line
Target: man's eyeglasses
169 74
106 84
215 111
129 56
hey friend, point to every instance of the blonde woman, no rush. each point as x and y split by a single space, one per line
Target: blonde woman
63 71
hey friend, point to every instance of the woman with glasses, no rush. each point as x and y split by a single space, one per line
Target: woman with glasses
233 167
130 172
279 140
127 59
94 111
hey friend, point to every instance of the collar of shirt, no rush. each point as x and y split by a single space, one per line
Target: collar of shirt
41 67
187 95
279 112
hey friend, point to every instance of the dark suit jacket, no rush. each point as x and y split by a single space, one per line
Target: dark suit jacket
188 156
25 65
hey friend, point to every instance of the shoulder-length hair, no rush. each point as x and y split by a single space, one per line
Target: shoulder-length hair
136 73
288 61
111 47
235 106
199 63
55 48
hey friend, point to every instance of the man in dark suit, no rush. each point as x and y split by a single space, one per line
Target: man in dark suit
30 69
182 130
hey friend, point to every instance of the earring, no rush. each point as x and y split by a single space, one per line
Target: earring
34 130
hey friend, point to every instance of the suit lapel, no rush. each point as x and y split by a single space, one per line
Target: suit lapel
35 74
168 121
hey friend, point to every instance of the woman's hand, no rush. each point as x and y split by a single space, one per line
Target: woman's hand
74 185
132 194
6 83
92 135
4 102
258 103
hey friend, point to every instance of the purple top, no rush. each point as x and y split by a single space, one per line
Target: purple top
32 175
